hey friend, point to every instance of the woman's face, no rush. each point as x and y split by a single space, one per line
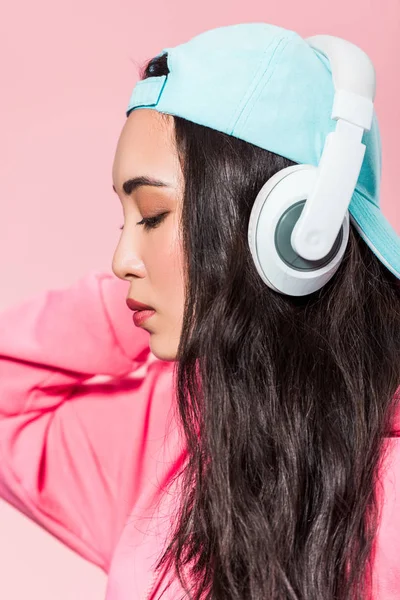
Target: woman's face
151 258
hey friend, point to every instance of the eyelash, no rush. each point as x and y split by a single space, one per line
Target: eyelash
151 222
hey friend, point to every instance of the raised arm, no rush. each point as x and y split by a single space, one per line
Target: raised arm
80 403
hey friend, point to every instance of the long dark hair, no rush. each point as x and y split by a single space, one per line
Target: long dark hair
284 402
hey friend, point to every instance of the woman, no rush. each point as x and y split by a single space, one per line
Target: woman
256 472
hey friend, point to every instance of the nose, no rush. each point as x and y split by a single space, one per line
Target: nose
126 262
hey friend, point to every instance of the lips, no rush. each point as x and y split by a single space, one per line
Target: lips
135 305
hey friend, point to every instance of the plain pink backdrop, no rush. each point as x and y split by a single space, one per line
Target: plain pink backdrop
67 72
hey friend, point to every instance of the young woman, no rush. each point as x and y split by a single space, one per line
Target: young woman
239 443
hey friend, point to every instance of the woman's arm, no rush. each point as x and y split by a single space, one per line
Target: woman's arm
76 437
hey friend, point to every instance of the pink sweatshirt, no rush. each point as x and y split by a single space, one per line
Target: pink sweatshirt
89 438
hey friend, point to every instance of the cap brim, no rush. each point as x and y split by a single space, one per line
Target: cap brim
376 231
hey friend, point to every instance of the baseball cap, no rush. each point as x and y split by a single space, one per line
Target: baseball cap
267 86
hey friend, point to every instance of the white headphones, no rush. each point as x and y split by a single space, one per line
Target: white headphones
297 251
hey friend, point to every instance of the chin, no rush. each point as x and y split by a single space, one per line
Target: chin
162 349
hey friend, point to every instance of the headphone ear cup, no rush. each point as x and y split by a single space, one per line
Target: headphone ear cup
275 212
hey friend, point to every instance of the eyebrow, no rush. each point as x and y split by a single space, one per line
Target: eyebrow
132 184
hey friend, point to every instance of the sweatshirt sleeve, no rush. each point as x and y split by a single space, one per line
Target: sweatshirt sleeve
75 439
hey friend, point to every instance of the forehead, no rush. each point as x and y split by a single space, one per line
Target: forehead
146 146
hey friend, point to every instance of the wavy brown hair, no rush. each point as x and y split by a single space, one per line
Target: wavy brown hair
284 401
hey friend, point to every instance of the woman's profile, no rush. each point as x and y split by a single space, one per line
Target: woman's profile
232 442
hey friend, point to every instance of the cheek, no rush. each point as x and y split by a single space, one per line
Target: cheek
166 265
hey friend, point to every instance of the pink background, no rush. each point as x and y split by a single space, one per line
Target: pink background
67 72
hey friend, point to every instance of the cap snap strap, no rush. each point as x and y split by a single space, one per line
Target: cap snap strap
147 92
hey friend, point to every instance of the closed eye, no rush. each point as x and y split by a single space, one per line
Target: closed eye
151 222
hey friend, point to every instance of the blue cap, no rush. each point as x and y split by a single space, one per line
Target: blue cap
264 84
